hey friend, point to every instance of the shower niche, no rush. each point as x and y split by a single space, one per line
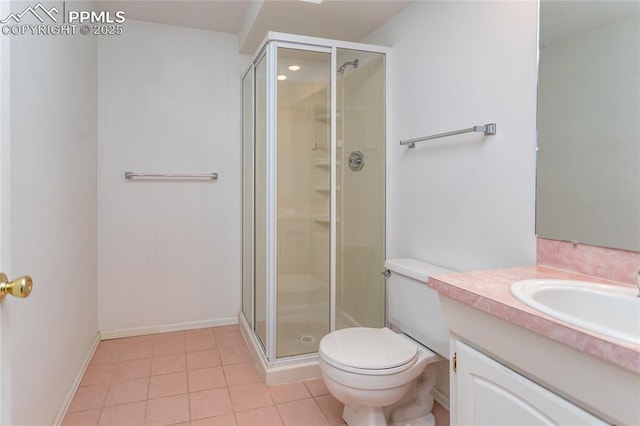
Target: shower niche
313 228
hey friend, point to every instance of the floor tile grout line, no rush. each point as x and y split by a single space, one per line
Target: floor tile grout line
146 409
184 339
224 376
99 416
186 371
188 400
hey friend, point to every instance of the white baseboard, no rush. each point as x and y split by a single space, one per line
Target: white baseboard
165 328
440 398
76 383
139 331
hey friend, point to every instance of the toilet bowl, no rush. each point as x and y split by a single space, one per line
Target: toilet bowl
383 377
366 378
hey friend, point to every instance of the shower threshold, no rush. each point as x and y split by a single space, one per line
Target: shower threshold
286 370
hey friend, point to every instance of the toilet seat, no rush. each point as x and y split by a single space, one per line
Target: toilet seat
368 351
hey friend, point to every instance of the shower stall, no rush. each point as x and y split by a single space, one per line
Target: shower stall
314 193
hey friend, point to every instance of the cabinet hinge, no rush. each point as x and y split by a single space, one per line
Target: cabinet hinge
454 363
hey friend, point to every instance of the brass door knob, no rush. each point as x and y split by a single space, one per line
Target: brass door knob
20 287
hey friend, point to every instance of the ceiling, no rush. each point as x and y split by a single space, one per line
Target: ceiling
349 20
221 16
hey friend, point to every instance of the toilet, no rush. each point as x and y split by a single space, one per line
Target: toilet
383 376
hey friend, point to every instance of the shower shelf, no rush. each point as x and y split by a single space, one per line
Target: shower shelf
324 188
326 117
323 219
324 146
323 162
323 113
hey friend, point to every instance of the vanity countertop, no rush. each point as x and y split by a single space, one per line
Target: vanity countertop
489 291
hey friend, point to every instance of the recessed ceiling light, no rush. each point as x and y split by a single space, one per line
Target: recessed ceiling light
282 77
313 1
294 67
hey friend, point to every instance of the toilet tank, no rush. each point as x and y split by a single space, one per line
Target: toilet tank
414 308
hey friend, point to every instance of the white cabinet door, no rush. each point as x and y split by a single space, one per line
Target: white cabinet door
488 393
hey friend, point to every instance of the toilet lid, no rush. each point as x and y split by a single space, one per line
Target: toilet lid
367 348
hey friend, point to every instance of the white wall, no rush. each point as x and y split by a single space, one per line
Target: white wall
465 202
53 225
169 251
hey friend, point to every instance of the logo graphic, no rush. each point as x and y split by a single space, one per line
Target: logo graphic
50 22
33 10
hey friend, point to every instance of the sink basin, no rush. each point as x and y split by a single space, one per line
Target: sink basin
606 309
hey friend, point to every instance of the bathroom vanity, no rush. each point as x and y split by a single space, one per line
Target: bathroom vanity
511 364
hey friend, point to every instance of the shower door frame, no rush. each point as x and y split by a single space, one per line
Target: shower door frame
272 187
269 49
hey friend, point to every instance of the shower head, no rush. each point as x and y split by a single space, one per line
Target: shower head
353 63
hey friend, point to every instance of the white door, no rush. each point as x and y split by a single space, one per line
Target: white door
50 155
6 357
5 377
5 403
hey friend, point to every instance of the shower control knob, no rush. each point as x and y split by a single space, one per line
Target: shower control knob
356 161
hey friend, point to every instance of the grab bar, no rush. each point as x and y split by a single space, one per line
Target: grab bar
210 176
487 129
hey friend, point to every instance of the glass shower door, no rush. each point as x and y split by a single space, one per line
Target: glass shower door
313 193
303 200
360 246
247 196
260 201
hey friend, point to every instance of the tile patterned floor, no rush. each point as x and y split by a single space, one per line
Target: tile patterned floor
195 377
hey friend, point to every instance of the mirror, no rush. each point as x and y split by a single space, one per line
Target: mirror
588 165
